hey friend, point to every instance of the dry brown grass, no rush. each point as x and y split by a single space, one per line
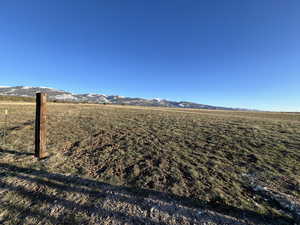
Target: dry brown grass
200 157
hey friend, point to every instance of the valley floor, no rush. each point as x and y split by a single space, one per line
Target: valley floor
137 165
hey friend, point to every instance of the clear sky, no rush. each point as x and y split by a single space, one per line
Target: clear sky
238 53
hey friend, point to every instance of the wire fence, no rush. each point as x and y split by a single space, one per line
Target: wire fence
17 129
4 125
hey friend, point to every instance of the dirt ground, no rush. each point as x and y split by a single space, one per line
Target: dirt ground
138 165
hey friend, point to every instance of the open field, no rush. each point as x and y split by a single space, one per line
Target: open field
148 165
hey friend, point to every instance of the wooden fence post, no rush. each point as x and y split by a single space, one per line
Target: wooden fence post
40 125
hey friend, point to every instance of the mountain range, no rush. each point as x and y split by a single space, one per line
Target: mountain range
60 95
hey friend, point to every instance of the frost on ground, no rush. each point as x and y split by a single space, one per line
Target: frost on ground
285 201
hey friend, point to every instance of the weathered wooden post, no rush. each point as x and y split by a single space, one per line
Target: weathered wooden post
40 125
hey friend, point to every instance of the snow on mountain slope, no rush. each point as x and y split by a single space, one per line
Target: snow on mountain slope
61 95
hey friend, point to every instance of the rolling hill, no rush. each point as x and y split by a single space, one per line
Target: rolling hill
60 95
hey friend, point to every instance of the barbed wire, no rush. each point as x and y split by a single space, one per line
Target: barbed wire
86 121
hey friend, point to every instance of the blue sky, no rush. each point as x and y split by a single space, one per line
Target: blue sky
219 52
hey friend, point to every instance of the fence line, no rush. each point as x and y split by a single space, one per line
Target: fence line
4 129
16 132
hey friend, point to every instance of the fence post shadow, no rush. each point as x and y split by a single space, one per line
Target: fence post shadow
14 152
94 189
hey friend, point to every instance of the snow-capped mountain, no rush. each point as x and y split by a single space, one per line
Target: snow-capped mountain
60 95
